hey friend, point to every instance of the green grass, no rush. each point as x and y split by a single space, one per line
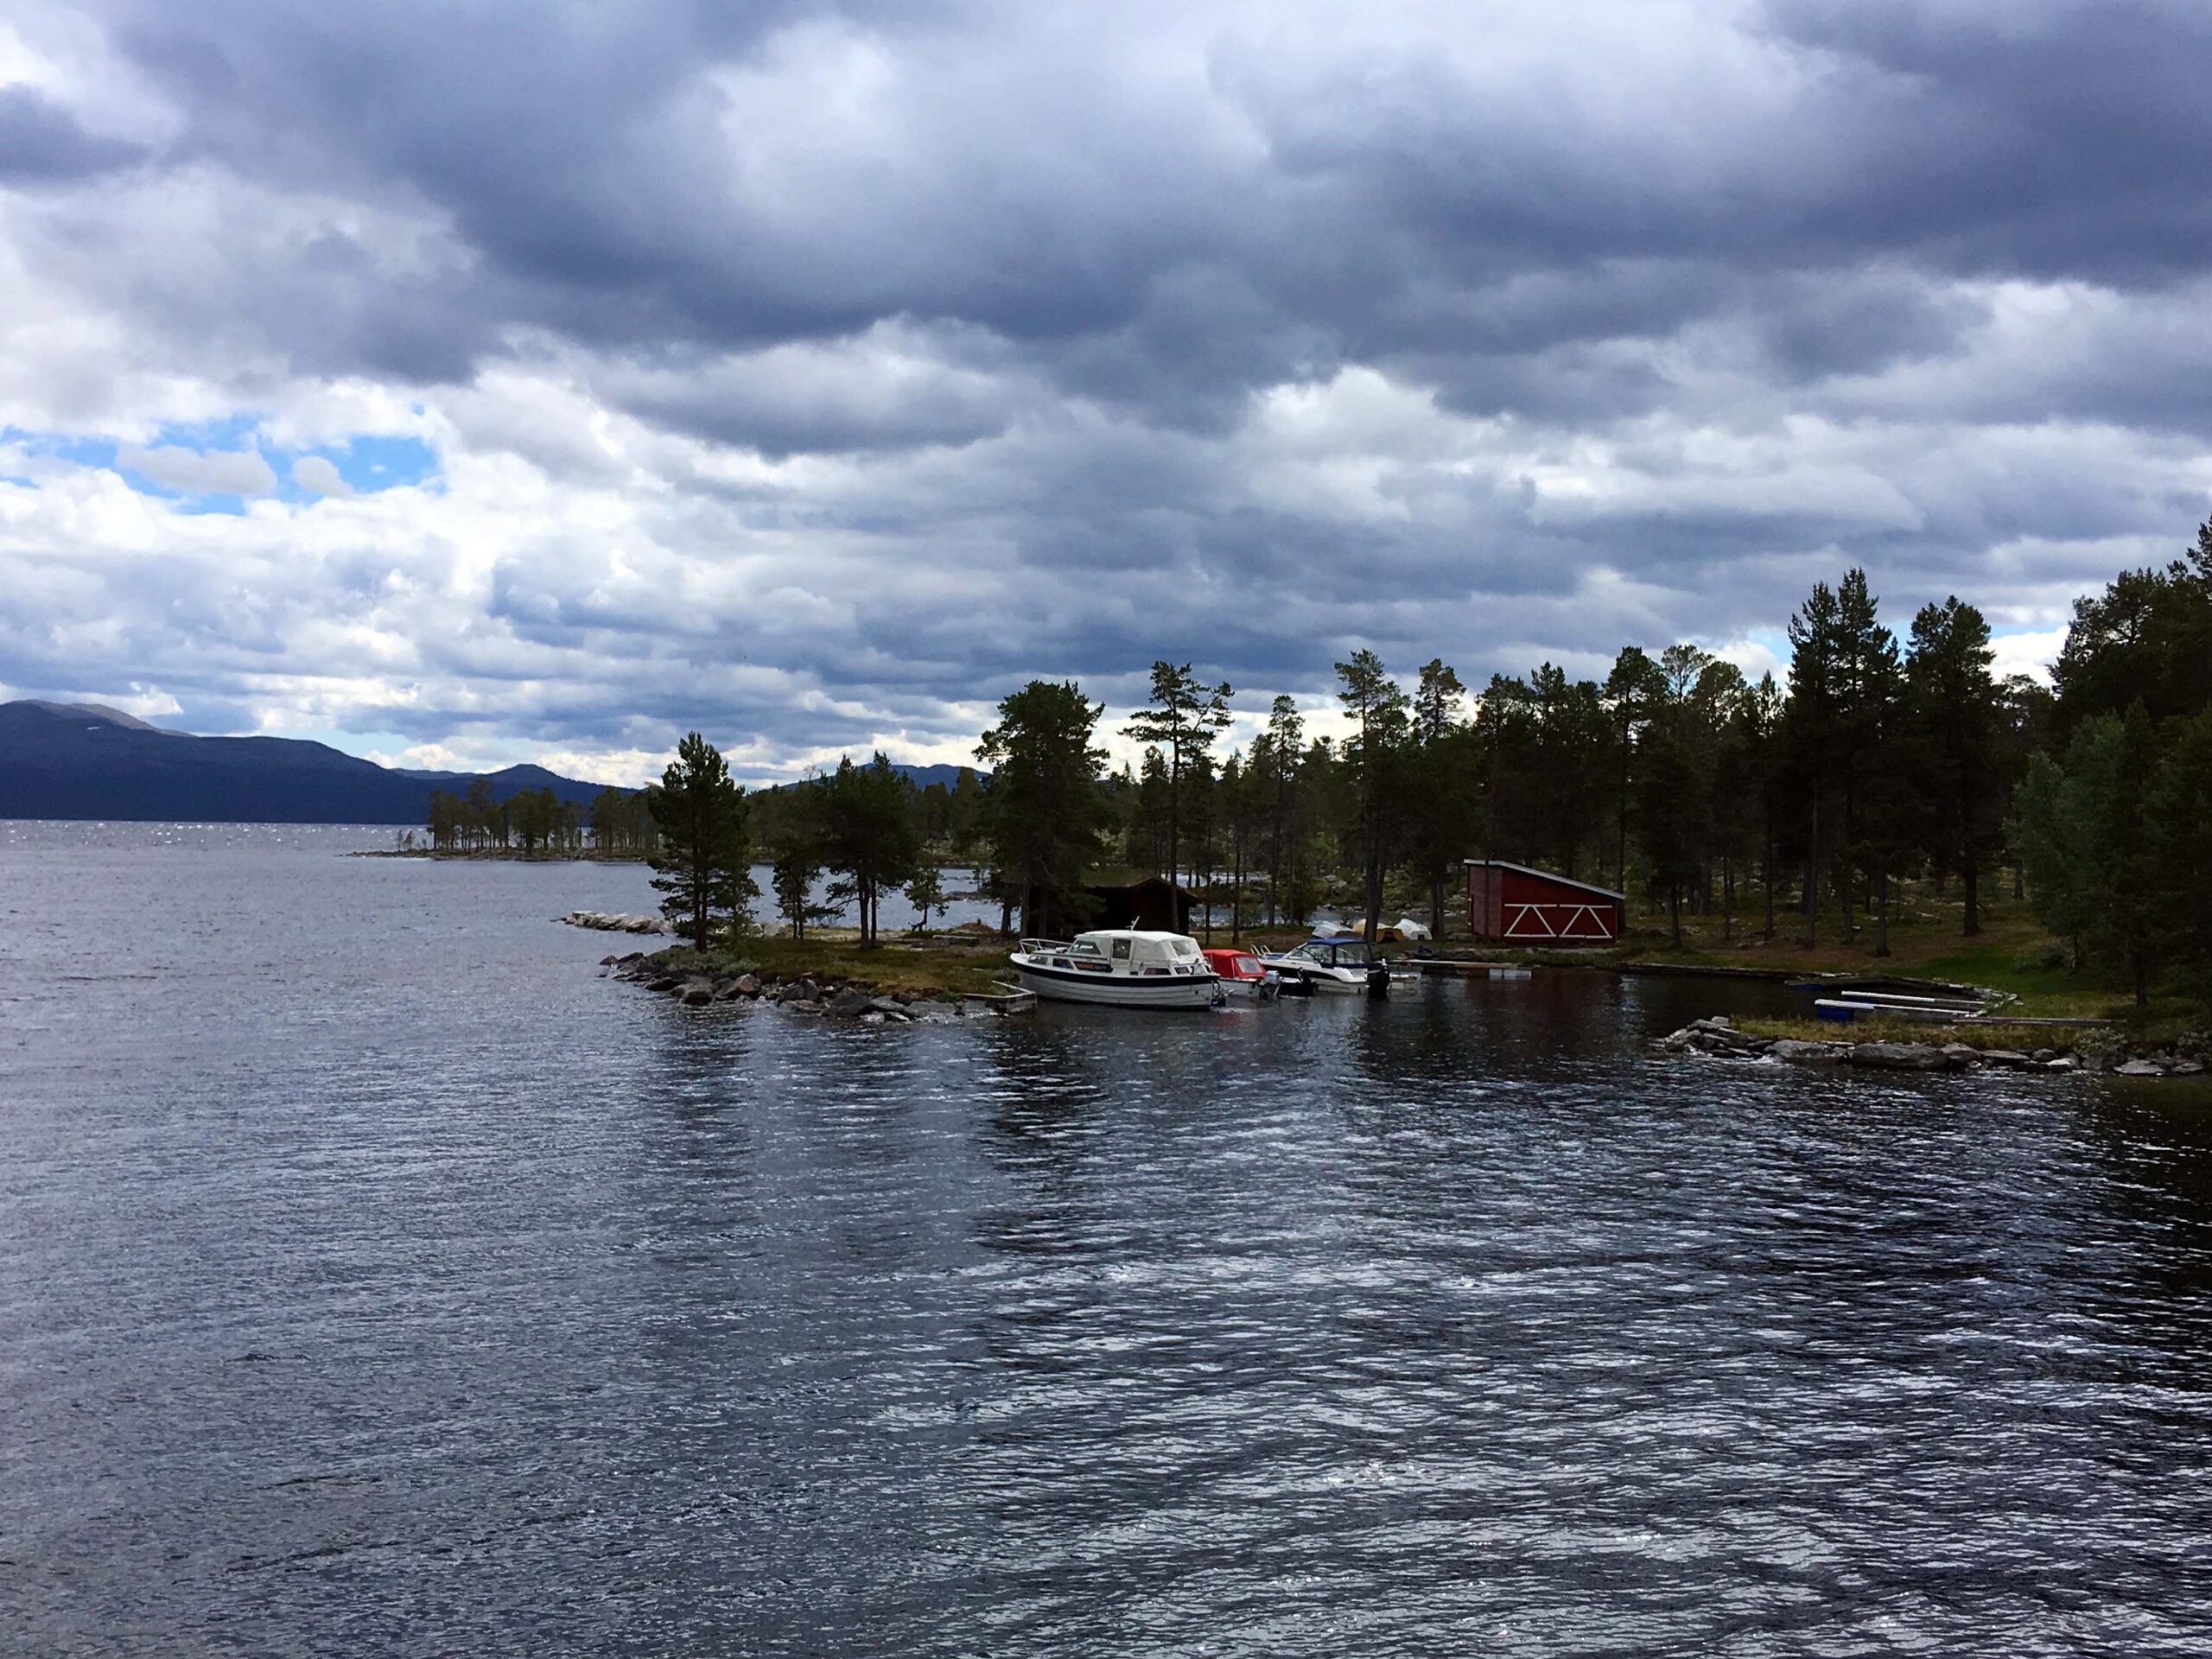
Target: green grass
936 968
2024 1038
2013 953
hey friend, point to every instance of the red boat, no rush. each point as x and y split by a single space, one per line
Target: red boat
1242 975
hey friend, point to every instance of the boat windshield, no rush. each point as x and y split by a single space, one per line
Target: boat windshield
1334 953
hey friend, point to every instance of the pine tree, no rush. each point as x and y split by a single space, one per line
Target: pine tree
1182 719
2093 861
1379 711
1956 713
1811 726
1865 679
701 859
870 838
1439 783
794 845
2180 820
1276 758
1632 690
1045 809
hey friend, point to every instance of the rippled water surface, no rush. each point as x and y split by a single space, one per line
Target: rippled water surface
374 1278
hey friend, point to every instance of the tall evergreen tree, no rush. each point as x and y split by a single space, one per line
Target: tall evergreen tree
1379 709
1811 722
794 845
1956 714
870 838
2180 818
2147 639
1632 690
1764 756
702 861
1046 809
1182 718
2082 826
1276 758
1674 781
1440 769
1865 681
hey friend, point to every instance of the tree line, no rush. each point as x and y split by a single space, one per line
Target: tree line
1788 807
531 820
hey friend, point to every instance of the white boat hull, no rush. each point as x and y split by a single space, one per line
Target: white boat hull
1325 980
1118 990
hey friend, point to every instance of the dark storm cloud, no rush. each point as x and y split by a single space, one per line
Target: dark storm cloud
41 143
926 347
598 184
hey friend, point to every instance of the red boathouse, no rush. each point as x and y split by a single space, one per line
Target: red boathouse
1511 903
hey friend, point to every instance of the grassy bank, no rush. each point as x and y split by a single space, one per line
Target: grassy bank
937 967
2024 1039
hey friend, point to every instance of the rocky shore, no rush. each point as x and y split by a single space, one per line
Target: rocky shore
2101 1050
807 994
605 922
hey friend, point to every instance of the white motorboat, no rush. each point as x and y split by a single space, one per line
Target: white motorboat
1120 968
1331 963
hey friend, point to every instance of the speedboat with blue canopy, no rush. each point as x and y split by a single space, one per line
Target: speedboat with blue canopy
1334 963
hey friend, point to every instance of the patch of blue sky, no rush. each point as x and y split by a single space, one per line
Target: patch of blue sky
367 465
231 432
73 446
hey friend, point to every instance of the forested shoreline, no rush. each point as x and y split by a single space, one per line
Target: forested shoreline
1782 811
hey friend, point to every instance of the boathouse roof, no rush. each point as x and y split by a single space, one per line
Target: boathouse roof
1542 876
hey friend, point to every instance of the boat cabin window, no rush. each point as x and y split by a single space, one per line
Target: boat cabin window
1121 950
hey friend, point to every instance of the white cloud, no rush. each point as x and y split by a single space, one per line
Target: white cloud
197 471
2030 651
816 386
317 473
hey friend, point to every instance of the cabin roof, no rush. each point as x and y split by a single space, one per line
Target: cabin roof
1125 877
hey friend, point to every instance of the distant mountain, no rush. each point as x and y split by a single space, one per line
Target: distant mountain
920 777
82 760
923 777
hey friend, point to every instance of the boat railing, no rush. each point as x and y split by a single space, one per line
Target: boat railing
1042 947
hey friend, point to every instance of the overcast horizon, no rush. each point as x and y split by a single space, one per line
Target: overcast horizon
464 386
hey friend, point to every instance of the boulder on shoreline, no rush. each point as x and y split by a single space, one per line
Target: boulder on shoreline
696 983
605 922
1718 1039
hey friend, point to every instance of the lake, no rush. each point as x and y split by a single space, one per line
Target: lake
375 1278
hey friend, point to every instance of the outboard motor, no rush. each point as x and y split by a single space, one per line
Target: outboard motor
1378 979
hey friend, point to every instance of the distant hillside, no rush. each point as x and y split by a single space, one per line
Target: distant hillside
81 761
923 777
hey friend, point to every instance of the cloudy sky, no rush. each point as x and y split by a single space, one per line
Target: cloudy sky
472 381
